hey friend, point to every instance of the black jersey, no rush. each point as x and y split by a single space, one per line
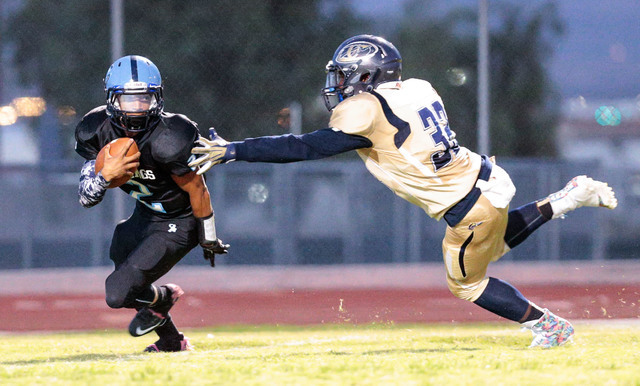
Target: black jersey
164 150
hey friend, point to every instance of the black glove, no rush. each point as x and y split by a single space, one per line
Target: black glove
211 249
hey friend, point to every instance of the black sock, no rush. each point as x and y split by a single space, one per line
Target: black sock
164 302
533 313
523 221
504 300
546 210
158 298
147 296
169 336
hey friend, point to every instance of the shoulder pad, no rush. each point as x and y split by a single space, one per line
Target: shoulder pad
87 142
175 139
416 81
355 115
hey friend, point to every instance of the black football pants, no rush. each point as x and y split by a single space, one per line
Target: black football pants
143 249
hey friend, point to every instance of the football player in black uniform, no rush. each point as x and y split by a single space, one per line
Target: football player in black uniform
173 210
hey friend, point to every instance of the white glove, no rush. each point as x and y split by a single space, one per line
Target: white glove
212 151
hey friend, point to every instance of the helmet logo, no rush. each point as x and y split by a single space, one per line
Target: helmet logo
356 51
134 85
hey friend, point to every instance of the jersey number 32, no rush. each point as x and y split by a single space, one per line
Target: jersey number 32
435 118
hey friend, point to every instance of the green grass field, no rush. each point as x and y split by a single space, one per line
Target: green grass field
384 354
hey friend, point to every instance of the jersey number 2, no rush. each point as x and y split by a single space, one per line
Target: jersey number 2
140 192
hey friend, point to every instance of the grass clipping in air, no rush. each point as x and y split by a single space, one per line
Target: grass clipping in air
460 354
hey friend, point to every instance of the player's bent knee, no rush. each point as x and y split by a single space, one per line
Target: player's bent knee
464 295
119 287
467 290
115 297
114 301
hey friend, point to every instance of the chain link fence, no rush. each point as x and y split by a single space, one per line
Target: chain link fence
235 65
319 212
230 64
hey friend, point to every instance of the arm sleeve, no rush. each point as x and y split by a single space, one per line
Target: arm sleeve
92 187
291 148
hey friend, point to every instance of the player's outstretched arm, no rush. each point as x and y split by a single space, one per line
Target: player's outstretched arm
276 149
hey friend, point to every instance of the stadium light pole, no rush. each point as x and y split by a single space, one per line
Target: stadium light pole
117 23
1 50
483 78
117 49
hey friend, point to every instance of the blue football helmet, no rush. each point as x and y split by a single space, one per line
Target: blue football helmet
134 93
359 64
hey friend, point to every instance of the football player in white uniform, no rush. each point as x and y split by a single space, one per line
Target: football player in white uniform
401 131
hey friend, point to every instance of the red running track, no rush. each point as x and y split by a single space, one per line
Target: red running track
57 312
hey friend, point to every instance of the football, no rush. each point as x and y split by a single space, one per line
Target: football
116 146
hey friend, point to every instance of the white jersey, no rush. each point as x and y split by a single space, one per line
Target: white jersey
414 151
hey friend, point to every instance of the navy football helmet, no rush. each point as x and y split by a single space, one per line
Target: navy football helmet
134 93
359 64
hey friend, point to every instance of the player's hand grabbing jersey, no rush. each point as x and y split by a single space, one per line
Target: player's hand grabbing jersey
164 150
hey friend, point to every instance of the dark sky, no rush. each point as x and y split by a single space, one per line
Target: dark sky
598 57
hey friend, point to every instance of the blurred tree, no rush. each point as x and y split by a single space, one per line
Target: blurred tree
229 64
443 50
432 48
62 48
62 53
234 64
524 101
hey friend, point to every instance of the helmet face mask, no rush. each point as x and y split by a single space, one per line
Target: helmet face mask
134 93
135 103
332 92
359 64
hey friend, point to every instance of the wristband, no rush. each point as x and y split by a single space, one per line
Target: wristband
207 229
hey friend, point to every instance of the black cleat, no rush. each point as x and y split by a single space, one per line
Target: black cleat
145 321
150 318
164 346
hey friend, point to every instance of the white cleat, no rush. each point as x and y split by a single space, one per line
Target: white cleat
550 330
582 191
